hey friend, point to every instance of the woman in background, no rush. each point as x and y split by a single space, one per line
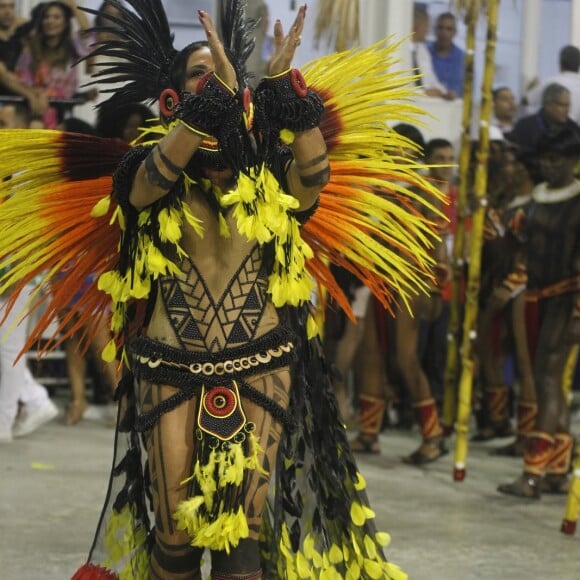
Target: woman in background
47 62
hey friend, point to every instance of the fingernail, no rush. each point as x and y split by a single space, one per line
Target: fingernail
201 13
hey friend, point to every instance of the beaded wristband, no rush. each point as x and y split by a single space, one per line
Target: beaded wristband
214 107
285 102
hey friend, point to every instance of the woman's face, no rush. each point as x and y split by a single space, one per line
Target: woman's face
54 22
198 63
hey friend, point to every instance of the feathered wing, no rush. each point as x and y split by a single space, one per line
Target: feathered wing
369 219
59 224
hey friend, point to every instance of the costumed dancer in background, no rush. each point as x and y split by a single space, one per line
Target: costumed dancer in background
343 337
424 307
520 173
378 331
209 251
502 277
552 227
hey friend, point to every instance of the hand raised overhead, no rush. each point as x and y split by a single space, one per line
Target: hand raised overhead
285 45
223 67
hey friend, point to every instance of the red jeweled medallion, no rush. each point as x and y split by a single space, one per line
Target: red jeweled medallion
220 411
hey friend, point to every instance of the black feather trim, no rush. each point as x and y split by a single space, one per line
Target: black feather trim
237 37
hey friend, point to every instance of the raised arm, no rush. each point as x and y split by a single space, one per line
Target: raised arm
157 175
37 99
80 16
163 166
309 171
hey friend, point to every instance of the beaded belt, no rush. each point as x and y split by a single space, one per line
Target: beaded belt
221 368
190 371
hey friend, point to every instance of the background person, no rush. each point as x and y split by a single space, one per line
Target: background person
569 77
448 58
47 62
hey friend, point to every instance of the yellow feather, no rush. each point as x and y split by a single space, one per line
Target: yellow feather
102 207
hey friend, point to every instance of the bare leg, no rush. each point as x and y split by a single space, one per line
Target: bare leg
551 357
492 359
170 449
407 336
109 369
527 408
345 352
549 446
171 454
372 379
76 369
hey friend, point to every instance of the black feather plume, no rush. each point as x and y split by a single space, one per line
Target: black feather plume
237 36
139 58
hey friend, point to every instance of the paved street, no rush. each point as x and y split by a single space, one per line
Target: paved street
52 484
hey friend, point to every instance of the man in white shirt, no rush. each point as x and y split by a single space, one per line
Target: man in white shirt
569 77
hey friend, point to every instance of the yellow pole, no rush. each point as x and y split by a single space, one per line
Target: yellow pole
571 513
473 277
568 375
458 261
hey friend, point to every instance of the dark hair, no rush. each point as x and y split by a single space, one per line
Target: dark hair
446 16
570 58
179 64
67 11
65 51
420 9
433 144
565 142
529 160
76 125
552 92
112 118
410 132
495 93
32 23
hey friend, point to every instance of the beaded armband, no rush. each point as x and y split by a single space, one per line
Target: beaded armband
285 102
215 110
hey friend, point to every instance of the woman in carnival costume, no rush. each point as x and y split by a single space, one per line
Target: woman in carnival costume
209 241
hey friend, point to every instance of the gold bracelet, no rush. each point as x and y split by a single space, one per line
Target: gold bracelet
194 130
224 84
278 75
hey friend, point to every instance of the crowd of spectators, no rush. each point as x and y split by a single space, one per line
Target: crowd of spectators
43 77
